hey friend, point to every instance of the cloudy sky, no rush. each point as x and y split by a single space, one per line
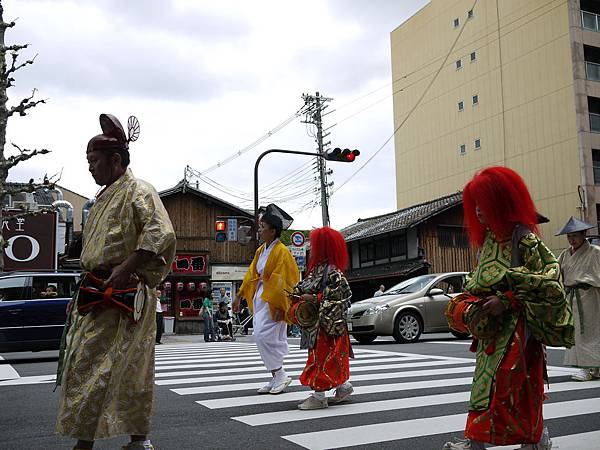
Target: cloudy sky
206 79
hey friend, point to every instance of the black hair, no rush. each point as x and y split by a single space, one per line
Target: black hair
278 230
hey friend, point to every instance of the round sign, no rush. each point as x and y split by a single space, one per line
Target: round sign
297 239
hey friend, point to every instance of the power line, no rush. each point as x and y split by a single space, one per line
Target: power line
416 105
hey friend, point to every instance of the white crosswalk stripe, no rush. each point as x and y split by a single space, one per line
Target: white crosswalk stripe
398 397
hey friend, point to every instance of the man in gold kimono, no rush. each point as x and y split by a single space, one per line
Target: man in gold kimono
106 367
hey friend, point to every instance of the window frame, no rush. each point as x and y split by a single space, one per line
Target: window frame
462 149
473 56
458 63
461 105
475 142
471 14
594 167
475 99
456 22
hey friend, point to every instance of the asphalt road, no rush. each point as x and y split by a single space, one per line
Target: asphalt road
407 396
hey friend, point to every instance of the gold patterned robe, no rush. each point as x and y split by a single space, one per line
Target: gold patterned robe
108 366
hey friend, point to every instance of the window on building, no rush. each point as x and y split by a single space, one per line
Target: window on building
596 165
470 14
598 215
477 144
461 105
462 149
475 99
458 64
382 249
398 246
367 252
452 236
456 23
473 56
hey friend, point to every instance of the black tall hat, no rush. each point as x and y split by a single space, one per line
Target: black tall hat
276 217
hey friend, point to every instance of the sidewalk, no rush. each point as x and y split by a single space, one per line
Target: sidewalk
186 339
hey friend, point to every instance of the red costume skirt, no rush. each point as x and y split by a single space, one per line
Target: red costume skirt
515 411
328 364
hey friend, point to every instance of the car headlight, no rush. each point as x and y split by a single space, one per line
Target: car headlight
376 310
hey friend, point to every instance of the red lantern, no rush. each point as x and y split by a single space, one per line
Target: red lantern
202 286
191 287
167 286
179 286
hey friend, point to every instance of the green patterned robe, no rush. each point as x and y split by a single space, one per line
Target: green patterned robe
537 286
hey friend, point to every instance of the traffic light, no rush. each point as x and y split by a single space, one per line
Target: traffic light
345 155
221 231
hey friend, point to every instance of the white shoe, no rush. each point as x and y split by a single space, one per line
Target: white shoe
280 384
463 444
313 403
342 393
582 375
266 389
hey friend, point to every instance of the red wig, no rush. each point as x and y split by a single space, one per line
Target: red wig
504 200
327 245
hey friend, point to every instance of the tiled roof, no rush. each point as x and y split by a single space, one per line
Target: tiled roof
400 220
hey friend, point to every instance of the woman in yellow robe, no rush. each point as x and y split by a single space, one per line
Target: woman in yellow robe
272 274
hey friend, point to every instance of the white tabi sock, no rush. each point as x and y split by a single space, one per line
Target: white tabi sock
319 395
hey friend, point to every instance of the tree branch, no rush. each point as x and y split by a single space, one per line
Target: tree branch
23 155
24 105
15 47
14 67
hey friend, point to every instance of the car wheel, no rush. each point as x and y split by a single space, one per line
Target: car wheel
407 328
364 338
458 335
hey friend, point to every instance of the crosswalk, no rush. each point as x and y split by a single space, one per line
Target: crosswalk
402 400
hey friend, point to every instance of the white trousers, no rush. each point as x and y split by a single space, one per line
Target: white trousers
270 336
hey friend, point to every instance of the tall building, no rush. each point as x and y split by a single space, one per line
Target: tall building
503 82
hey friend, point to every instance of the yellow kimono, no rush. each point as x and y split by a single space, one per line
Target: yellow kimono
107 371
280 275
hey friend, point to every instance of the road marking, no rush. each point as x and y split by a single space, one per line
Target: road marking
227 360
38 379
469 343
7 372
579 441
405 429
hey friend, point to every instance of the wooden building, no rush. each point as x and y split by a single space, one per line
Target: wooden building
424 238
200 260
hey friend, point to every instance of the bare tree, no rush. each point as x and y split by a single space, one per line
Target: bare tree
7 73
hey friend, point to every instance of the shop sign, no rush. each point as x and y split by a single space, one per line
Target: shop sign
31 241
190 264
228 273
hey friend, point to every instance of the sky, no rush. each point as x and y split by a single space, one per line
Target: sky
206 79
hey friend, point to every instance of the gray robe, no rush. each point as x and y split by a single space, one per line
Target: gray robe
581 272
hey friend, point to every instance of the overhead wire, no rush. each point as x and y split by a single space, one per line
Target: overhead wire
436 73
415 106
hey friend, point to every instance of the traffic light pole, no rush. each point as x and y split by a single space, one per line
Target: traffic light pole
259 159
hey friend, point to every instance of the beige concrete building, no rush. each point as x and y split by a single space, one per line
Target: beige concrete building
77 200
521 88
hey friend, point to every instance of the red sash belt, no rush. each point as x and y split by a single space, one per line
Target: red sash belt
93 295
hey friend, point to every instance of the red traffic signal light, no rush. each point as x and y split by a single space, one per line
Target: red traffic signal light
345 155
221 225
221 231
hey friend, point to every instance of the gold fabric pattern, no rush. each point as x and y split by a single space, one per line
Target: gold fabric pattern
108 376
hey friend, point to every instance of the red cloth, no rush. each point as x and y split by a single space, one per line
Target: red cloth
328 363
515 412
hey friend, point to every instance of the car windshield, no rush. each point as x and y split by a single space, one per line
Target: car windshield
411 285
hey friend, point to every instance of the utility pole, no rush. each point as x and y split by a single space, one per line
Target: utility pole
317 105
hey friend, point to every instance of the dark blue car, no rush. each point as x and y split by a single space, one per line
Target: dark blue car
33 309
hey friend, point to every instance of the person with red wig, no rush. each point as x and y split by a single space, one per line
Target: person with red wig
327 340
518 286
